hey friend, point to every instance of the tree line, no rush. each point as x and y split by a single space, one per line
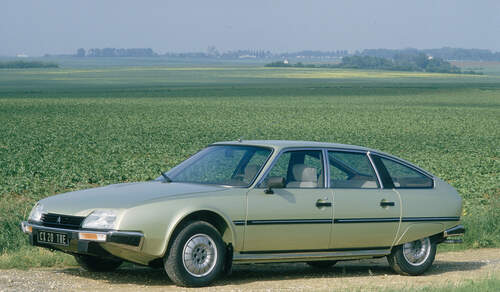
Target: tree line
418 62
402 62
21 64
212 52
445 53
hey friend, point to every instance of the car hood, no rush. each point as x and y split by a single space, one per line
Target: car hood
119 196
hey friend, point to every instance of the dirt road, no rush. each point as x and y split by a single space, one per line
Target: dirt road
449 268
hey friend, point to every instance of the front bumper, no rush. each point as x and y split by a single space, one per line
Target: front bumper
85 241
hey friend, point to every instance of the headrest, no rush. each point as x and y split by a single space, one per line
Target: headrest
304 174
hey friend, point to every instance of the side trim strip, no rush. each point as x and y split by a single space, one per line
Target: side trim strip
419 219
289 221
315 250
366 220
239 222
343 220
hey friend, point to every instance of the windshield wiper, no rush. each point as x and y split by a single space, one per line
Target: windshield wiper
167 179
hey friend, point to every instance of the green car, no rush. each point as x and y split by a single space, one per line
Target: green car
256 202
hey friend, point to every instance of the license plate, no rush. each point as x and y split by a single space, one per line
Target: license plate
52 238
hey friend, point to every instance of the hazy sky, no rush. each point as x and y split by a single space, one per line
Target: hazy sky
61 26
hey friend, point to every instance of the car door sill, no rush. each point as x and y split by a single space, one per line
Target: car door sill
304 256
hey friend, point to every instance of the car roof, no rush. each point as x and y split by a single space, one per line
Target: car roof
280 144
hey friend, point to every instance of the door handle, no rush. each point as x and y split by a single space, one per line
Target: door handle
321 203
386 204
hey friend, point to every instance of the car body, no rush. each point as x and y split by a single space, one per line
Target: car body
254 202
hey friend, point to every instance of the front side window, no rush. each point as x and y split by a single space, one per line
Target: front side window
222 165
351 170
300 169
405 177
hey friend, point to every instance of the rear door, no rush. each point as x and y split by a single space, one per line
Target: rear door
425 210
365 214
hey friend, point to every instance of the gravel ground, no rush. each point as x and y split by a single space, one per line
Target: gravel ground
449 268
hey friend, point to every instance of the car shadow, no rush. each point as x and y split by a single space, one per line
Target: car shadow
248 273
127 274
346 269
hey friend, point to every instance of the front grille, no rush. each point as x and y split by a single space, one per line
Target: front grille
62 221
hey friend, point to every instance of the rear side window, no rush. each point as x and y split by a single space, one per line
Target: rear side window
405 177
351 170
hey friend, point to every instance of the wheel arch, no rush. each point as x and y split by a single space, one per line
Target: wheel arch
214 217
419 230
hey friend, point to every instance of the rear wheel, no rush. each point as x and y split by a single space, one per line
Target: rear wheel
196 257
413 258
322 264
96 264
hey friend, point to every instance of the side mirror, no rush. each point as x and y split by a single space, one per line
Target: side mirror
274 182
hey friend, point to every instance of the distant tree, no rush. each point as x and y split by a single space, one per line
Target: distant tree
80 52
422 60
278 64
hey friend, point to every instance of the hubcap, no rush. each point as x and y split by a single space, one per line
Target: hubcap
417 252
199 255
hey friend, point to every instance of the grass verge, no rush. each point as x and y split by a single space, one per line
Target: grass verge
35 257
491 283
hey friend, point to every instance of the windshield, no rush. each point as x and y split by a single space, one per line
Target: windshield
222 165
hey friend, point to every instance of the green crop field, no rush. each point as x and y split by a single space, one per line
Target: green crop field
82 126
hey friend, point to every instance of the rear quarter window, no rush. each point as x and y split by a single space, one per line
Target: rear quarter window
403 176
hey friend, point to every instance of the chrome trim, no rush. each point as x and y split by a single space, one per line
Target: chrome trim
346 150
375 168
307 256
458 230
125 233
326 169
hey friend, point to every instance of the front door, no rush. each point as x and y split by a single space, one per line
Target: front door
365 215
296 217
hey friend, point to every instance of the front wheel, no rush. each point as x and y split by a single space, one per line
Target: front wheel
413 258
196 257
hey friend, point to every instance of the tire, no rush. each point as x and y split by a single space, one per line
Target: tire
96 264
322 264
196 256
413 258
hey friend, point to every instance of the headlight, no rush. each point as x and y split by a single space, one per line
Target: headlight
36 213
100 219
